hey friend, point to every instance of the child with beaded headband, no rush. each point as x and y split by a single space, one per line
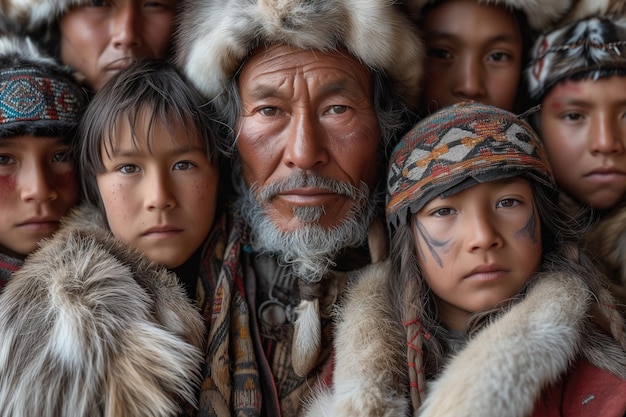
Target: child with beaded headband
40 106
578 74
487 276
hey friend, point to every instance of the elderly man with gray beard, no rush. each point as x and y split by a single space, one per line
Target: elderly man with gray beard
312 95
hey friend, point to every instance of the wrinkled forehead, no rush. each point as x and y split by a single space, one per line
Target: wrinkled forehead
275 63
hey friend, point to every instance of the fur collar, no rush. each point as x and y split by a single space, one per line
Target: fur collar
89 327
502 369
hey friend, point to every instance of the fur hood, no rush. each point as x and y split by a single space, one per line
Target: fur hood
216 36
540 14
535 341
25 16
89 327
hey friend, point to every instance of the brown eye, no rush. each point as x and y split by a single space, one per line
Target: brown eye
269 111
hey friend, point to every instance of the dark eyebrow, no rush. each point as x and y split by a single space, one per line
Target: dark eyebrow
178 151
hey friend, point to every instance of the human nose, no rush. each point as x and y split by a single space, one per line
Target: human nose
160 193
482 232
606 137
305 148
126 28
36 186
468 79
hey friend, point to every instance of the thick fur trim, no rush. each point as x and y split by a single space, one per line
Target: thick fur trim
29 15
370 372
217 35
503 369
540 14
587 8
18 50
88 327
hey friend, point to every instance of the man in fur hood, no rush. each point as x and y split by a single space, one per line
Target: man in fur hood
96 38
311 94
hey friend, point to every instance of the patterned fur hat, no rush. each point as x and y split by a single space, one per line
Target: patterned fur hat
216 36
456 148
37 96
594 47
540 14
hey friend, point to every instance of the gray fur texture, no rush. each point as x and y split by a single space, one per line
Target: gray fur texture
89 327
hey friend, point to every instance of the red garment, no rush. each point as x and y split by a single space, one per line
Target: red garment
584 391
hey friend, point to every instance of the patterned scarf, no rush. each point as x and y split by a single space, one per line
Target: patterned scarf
230 378
8 265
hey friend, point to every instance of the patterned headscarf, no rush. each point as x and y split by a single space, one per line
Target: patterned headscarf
456 148
37 96
593 48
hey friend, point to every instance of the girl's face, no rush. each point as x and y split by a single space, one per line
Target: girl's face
583 125
105 36
479 247
474 52
37 188
160 198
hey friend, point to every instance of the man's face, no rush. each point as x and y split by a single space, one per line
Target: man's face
306 114
102 37
583 125
308 141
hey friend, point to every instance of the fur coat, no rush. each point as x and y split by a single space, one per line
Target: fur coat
501 372
89 327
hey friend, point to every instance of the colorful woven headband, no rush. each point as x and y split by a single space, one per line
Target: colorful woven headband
594 47
40 98
457 147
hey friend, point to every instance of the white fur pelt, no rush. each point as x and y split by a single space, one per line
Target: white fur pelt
217 35
503 369
89 327
369 378
541 14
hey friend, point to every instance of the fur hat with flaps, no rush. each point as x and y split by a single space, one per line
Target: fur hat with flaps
38 97
540 14
458 147
591 48
216 36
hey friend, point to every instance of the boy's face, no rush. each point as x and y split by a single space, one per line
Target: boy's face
479 247
159 199
100 39
583 125
474 52
37 188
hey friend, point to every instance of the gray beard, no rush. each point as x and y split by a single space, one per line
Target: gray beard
309 250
